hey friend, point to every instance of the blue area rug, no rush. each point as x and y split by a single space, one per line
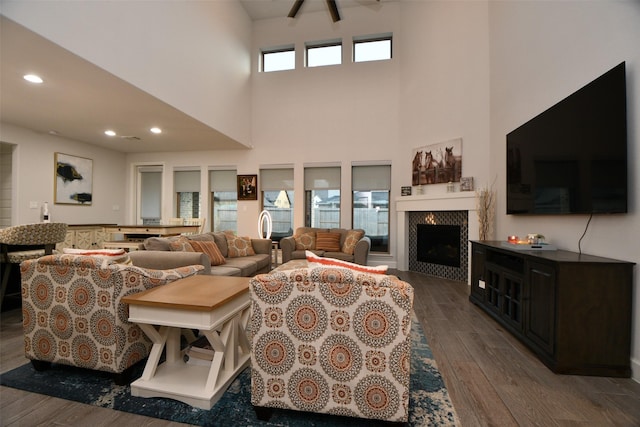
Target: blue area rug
429 400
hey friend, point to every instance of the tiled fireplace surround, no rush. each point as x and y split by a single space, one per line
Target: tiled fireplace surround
449 208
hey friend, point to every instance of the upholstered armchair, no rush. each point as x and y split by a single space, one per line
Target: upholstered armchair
331 340
27 241
73 314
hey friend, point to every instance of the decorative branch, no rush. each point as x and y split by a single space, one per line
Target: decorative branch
486 205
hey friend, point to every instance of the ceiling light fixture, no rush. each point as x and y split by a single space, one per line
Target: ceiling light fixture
155 130
109 133
32 78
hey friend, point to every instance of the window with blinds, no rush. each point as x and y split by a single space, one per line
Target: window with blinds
224 199
322 196
371 186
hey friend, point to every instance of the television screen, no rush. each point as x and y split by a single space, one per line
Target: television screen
572 158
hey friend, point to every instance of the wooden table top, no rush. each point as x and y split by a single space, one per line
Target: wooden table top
198 293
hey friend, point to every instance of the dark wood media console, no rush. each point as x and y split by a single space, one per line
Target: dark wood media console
572 310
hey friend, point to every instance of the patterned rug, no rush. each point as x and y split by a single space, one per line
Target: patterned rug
429 400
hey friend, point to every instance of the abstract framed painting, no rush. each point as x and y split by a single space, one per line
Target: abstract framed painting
73 183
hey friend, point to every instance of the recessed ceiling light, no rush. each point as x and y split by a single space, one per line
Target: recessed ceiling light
109 133
155 130
33 78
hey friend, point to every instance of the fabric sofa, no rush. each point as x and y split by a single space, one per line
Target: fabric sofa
73 314
338 243
220 253
331 340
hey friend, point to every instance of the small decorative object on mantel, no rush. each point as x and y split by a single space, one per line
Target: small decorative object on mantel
450 187
486 204
406 191
466 183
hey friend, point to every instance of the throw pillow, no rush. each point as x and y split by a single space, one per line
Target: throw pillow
111 256
181 244
328 241
350 241
210 248
317 261
238 246
305 241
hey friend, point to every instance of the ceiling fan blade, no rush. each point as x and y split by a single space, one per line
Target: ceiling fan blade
333 10
294 10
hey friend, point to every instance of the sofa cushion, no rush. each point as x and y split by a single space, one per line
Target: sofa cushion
210 248
157 244
181 244
328 241
316 261
306 240
238 246
221 241
108 256
351 240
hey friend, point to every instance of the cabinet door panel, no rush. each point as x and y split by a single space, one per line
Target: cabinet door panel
540 325
478 256
84 239
512 300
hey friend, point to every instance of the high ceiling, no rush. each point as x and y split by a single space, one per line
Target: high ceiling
79 100
264 9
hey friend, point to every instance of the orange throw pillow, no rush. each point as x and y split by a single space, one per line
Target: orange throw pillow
329 242
209 248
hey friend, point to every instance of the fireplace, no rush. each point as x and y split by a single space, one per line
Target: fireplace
458 208
439 244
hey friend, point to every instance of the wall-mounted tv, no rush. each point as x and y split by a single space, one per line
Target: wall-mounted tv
572 158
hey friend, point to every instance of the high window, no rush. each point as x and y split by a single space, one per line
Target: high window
372 48
371 187
224 199
277 199
186 185
324 53
278 59
322 197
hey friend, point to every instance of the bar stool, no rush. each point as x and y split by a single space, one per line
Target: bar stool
28 241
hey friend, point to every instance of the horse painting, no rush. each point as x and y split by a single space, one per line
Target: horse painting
438 163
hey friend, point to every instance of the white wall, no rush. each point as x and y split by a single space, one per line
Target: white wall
540 53
34 173
193 55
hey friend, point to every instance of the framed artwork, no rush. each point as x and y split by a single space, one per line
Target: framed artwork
466 183
73 183
247 187
437 163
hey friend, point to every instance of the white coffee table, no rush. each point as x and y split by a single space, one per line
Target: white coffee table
217 306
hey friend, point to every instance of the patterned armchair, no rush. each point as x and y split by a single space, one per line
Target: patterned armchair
331 340
73 314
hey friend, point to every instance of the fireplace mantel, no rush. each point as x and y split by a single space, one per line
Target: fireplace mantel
458 201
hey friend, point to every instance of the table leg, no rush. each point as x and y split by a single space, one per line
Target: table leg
158 338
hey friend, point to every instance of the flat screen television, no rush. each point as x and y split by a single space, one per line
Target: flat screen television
572 158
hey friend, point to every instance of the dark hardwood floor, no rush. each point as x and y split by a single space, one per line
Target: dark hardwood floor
492 379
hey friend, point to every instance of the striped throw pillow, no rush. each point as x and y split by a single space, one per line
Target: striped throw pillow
329 242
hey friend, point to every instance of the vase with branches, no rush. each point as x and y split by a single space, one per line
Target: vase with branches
486 206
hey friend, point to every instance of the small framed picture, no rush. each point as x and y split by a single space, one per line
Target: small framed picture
406 191
466 183
247 187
